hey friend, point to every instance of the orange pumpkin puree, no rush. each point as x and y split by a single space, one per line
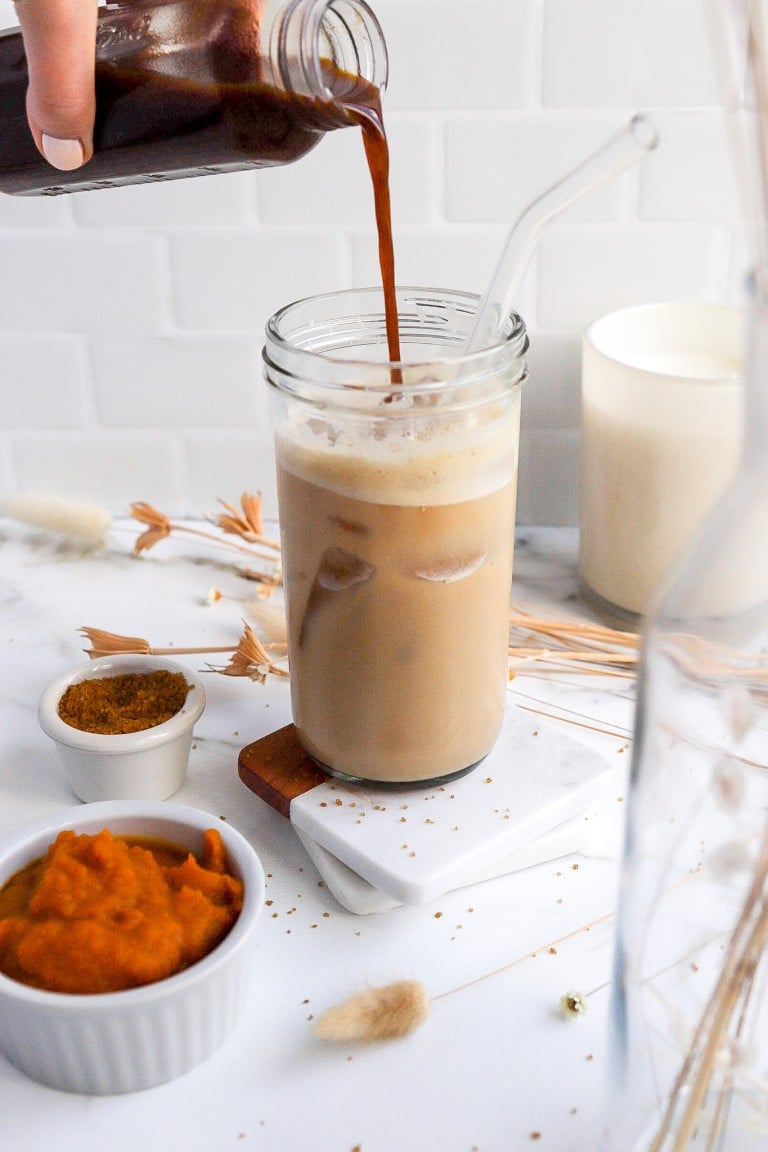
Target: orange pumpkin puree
105 913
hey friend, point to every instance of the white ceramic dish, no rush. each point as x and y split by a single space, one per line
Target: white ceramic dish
127 1041
147 765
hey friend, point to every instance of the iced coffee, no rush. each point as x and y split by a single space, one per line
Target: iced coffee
397 512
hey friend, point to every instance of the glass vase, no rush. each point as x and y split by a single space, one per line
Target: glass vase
689 1020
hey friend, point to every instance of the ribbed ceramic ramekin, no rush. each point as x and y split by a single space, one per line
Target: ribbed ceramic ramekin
127 1041
147 765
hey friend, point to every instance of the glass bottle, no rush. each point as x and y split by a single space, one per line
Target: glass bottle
191 87
689 1022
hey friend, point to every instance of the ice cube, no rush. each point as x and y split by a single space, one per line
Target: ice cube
450 570
340 569
337 572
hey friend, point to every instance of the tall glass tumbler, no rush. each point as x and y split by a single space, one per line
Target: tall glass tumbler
396 491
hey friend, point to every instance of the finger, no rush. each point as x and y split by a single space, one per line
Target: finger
60 45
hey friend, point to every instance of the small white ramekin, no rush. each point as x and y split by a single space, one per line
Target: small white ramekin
127 1041
147 765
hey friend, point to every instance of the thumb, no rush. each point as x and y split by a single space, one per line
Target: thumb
60 46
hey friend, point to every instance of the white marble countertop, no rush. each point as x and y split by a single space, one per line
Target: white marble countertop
496 1068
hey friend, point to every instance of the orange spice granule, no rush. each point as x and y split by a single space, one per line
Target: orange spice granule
114 705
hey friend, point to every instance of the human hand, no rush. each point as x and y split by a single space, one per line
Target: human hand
60 46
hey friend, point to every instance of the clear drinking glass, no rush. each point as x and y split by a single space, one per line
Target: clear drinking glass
690 1004
662 399
396 488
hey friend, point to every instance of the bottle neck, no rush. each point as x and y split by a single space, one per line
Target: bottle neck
324 49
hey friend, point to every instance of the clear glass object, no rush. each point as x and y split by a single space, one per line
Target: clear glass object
689 1027
193 87
396 488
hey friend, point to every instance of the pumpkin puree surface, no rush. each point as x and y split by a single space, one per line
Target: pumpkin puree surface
103 913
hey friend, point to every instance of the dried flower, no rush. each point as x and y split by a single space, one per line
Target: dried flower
249 658
376 1014
250 524
573 1005
85 523
159 526
110 643
252 659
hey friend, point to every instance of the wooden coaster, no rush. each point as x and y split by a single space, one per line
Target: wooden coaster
278 769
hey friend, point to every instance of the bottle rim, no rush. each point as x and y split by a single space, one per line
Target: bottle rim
345 32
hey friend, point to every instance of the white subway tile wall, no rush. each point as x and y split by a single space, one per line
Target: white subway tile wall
131 320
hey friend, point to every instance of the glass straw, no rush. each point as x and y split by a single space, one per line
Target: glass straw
615 156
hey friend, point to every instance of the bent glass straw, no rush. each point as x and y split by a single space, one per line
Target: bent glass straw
617 155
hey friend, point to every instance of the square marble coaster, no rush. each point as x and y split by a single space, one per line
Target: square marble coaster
414 845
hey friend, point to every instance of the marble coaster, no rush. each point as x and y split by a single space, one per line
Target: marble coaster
412 846
582 833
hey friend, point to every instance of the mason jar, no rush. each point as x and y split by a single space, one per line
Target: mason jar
396 494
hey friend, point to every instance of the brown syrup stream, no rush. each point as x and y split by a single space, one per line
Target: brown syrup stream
377 154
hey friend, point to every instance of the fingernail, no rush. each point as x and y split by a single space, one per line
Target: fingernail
63 154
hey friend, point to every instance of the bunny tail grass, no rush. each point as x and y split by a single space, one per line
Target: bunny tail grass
376 1014
85 523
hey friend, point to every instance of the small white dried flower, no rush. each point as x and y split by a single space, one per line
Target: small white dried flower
573 1005
212 596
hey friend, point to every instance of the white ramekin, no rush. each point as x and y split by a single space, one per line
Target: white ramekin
146 765
126 1041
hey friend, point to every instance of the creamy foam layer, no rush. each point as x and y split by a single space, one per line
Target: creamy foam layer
434 466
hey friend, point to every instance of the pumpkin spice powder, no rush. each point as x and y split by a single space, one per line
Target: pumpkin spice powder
132 702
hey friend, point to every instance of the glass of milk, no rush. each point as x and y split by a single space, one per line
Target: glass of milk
662 401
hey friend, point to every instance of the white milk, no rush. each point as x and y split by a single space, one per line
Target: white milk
661 432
